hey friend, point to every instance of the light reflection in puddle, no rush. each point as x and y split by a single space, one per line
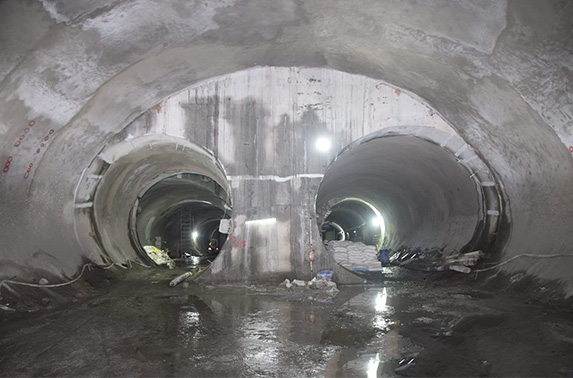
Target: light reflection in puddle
189 319
378 354
189 326
373 365
381 299
259 342
381 321
360 340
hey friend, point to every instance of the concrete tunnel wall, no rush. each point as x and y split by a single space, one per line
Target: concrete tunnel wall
426 198
267 149
499 72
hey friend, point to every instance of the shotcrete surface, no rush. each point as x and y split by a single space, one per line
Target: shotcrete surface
499 73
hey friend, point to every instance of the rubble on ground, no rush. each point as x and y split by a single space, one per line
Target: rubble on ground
299 283
159 256
320 282
436 260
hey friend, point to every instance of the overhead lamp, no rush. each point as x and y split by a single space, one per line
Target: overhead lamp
323 144
262 221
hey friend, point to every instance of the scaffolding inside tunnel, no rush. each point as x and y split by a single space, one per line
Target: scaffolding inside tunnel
186 231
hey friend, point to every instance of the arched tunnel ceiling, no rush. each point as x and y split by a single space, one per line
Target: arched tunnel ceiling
498 71
425 196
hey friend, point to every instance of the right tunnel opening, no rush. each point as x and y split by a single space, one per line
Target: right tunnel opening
401 193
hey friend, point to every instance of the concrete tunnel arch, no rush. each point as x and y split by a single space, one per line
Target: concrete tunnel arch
505 91
430 187
351 215
111 188
180 213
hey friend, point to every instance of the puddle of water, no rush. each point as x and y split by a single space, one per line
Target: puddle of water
143 331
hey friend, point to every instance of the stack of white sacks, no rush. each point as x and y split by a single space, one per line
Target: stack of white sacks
354 255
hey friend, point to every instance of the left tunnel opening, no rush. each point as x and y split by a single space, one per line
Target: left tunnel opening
156 199
176 221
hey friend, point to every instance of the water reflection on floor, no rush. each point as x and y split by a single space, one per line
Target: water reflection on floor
140 328
145 328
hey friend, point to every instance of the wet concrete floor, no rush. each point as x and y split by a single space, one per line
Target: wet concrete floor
142 327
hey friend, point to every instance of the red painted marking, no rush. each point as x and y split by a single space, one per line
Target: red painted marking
17 143
46 138
8 163
237 244
38 150
27 174
26 130
31 123
51 131
571 148
22 137
42 145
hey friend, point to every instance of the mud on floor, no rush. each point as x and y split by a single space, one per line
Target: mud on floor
142 327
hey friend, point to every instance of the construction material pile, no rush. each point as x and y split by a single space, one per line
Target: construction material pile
436 260
354 255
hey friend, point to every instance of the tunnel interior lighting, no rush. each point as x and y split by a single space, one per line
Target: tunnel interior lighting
194 235
377 221
323 144
262 221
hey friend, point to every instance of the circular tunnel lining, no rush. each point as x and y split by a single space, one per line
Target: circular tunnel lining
355 220
180 216
148 186
426 199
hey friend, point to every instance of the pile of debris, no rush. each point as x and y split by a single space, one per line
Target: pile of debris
436 260
461 262
322 281
159 256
